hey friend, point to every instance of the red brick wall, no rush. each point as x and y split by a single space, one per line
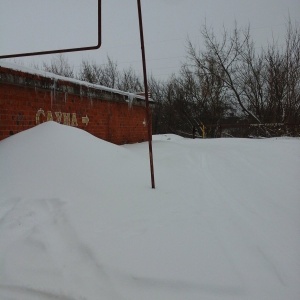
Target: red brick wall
28 99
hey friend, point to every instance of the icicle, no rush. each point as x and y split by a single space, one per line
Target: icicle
89 95
80 92
53 91
131 97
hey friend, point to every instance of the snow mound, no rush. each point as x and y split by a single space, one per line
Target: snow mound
57 158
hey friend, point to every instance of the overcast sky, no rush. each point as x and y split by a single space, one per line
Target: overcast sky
167 24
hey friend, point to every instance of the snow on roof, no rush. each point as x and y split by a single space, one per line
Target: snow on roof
42 73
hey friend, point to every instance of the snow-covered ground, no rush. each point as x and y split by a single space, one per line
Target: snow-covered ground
79 220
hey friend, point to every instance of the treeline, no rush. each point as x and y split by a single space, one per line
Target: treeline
226 81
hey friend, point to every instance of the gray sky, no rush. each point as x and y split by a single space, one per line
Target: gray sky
167 24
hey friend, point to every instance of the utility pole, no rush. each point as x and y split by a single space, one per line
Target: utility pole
148 116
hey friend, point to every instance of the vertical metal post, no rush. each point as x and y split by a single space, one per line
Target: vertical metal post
148 117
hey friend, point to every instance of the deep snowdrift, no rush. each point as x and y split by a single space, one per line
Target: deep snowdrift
78 219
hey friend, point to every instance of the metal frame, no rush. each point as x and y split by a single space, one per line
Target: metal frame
63 50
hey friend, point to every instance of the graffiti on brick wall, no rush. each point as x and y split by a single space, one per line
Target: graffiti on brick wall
59 117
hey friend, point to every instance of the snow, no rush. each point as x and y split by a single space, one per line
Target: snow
56 77
78 219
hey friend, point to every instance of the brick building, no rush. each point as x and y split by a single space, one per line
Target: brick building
29 97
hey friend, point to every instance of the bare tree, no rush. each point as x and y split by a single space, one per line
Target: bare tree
129 81
227 56
59 65
282 67
292 65
157 90
103 74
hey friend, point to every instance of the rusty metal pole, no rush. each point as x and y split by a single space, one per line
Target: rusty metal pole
148 118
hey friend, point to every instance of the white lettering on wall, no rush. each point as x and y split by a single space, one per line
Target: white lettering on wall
66 117
59 117
38 116
49 116
74 120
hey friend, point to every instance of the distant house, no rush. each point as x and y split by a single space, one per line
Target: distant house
29 97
